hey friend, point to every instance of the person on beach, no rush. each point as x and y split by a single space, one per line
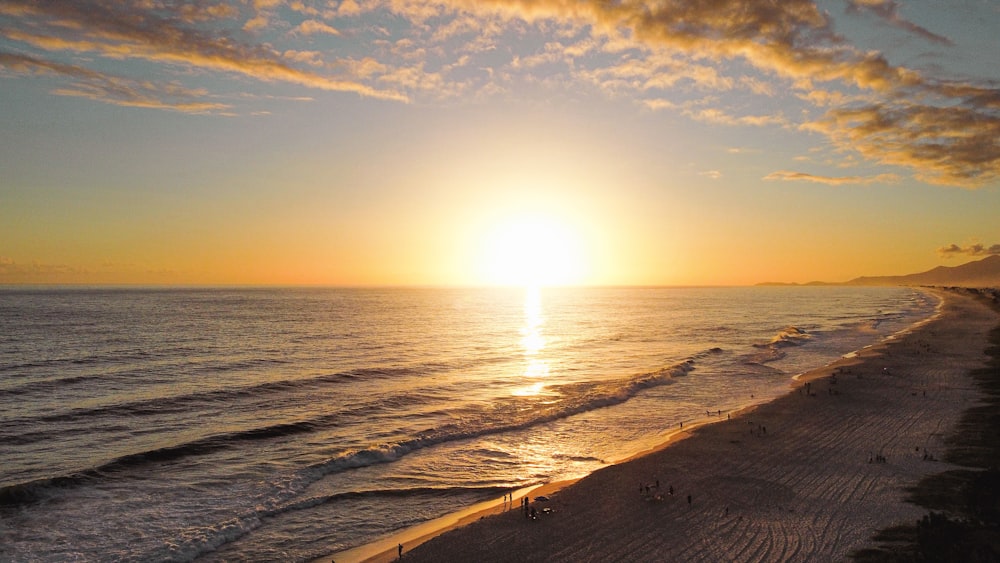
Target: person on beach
400 548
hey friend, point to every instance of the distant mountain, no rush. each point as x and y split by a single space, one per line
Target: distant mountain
982 273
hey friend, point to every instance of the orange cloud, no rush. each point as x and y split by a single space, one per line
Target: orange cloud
198 12
977 249
657 53
311 27
657 71
954 146
788 175
719 117
129 30
348 8
947 135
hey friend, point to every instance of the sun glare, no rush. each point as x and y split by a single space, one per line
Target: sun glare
533 251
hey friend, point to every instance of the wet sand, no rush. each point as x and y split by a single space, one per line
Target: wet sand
810 476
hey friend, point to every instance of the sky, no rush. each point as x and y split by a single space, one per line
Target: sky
486 142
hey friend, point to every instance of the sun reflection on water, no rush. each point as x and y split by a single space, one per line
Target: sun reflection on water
533 344
532 390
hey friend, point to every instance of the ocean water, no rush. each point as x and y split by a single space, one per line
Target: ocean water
269 424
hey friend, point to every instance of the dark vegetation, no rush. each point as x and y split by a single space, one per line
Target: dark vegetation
964 519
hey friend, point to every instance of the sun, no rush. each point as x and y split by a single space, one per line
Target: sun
533 250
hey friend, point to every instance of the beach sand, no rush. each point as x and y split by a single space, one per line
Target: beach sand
810 476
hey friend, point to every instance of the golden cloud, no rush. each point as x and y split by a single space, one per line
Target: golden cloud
311 27
976 249
956 146
790 176
950 136
945 132
116 90
132 30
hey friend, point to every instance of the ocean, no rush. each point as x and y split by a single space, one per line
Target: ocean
284 424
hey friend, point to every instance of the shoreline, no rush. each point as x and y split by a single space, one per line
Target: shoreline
386 549
814 473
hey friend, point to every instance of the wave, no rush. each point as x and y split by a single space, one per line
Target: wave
789 336
178 403
775 349
132 374
578 398
182 403
47 385
28 492
123 361
579 458
77 361
715 350
575 399
205 539
387 493
34 491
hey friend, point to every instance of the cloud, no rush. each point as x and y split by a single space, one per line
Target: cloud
953 250
946 133
12 271
201 12
791 176
713 115
311 58
311 27
348 8
115 90
659 104
708 61
161 34
955 145
888 10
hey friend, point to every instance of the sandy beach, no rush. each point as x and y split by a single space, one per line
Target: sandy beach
810 476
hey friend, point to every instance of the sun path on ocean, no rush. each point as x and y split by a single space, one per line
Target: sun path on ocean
533 250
